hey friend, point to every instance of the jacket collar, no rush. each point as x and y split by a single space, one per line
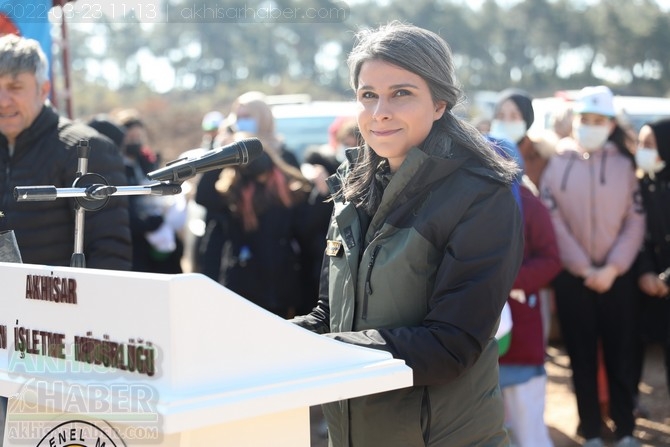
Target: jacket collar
422 169
45 120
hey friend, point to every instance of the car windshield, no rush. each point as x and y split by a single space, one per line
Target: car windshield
302 126
299 133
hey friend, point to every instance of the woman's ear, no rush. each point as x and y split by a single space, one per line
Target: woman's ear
440 108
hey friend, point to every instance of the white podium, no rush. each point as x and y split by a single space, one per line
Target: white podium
94 357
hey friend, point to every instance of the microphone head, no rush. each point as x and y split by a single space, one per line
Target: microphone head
238 153
250 149
259 165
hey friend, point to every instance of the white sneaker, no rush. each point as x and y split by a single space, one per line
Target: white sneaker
628 441
594 442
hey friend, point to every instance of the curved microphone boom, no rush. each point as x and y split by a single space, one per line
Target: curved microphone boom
237 153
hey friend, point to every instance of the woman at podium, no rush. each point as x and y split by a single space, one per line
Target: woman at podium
423 247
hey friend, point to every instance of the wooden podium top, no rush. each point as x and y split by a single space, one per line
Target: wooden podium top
183 345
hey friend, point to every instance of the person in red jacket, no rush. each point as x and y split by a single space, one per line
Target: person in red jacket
522 375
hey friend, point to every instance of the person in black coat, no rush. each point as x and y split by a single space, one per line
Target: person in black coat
148 214
252 238
39 147
653 264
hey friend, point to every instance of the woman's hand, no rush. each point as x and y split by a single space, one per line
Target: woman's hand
652 285
316 174
601 279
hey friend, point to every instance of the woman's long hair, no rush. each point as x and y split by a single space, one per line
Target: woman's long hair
258 109
425 54
283 185
624 140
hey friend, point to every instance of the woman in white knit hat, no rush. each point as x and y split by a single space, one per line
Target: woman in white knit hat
594 200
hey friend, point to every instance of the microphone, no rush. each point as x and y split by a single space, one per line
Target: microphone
237 153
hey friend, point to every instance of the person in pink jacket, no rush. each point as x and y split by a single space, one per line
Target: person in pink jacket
594 200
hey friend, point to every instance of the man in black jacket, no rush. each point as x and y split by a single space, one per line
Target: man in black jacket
38 147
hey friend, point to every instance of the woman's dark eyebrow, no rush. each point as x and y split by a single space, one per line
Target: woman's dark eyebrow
392 87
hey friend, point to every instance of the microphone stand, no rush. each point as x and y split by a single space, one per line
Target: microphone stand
78 259
91 192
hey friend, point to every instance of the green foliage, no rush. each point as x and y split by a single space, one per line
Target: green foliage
539 45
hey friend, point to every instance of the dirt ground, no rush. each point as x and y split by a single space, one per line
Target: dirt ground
561 410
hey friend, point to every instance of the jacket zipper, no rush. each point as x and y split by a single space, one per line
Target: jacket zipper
593 186
427 415
368 286
8 171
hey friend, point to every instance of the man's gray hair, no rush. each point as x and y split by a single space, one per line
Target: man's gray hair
22 55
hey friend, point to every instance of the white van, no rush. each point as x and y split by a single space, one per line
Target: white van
640 110
306 124
632 110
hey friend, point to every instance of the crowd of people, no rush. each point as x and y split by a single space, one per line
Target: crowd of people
604 192
408 232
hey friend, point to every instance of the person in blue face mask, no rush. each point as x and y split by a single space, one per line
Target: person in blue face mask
251 114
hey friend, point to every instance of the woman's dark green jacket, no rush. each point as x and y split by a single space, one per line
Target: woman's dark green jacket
425 279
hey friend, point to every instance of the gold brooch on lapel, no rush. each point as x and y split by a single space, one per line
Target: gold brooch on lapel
333 248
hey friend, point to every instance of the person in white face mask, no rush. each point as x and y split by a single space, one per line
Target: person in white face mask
651 156
513 116
593 197
653 264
